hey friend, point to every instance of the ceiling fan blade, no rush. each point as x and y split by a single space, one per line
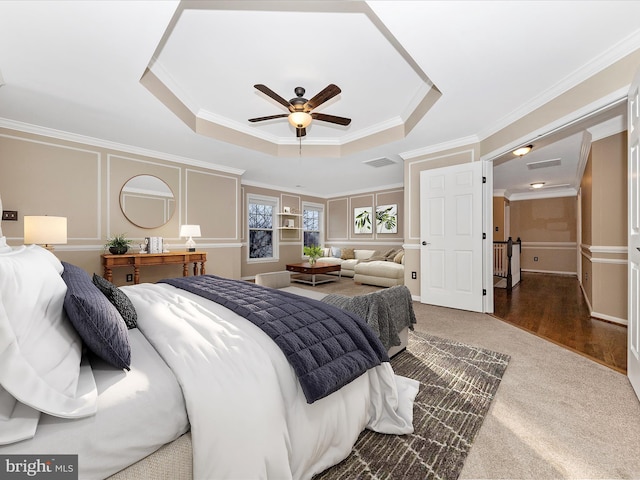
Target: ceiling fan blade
328 93
270 93
301 132
270 117
331 118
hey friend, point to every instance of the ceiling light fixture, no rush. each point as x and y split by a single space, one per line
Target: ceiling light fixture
537 185
299 119
522 151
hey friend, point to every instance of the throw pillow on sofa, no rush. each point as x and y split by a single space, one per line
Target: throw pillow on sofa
336 252
348 254
399 256
389 254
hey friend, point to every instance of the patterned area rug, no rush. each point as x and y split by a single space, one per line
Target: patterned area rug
457 384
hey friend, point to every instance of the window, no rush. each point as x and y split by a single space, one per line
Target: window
312 224
262 235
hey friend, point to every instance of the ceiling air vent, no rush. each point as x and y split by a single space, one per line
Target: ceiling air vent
380 162
543 164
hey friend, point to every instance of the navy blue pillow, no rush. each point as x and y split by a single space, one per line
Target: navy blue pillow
96 320
119 300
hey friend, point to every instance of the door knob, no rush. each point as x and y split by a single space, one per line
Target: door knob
425 243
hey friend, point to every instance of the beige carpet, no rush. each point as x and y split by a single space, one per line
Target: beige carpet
556 414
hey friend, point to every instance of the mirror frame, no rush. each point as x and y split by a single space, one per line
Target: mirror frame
168 210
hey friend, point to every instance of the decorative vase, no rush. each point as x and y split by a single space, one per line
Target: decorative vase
118 250
312 261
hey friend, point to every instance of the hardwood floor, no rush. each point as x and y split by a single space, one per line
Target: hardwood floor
553 307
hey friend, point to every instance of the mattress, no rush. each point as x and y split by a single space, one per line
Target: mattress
138 412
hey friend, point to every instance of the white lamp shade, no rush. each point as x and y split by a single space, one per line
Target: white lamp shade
190 231
300 119
45 230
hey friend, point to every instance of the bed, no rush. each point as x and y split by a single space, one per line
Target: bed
115 374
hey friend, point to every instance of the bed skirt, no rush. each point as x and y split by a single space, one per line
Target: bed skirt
173 461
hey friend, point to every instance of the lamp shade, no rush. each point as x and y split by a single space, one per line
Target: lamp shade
300 119
45 230
189 231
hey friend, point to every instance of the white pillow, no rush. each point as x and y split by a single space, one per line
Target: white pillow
40 351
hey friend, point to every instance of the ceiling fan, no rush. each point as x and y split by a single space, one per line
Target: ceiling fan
300 109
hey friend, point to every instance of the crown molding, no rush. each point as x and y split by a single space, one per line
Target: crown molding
440 147
623 48
121 147
321 195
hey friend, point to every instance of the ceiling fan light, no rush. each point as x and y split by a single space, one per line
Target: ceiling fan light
522 150
299 119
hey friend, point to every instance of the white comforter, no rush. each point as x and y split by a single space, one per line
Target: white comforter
249 417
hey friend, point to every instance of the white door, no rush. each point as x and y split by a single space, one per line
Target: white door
633 135
451 236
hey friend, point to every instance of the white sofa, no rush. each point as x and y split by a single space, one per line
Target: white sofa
382 273
379 272
347 267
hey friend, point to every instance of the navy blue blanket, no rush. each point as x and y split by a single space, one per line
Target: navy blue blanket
326 346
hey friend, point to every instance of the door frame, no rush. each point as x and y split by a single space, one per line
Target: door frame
487 219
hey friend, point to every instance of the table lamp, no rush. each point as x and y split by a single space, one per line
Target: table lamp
190 231
45 230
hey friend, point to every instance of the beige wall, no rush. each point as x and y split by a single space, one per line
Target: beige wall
604 228
46 176
586 202
547 228
290 241
499 204
340 226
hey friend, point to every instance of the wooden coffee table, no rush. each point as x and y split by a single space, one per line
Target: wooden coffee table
314 274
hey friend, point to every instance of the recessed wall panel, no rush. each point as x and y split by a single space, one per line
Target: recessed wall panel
211 201
42 178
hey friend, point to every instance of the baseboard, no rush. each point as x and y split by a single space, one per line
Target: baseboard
574 274
610 318
602 316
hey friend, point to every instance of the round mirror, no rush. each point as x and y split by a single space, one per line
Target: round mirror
147 201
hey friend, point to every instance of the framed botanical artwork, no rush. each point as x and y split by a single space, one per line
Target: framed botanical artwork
362 220
387 218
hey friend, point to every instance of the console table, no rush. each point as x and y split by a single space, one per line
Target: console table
137 260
